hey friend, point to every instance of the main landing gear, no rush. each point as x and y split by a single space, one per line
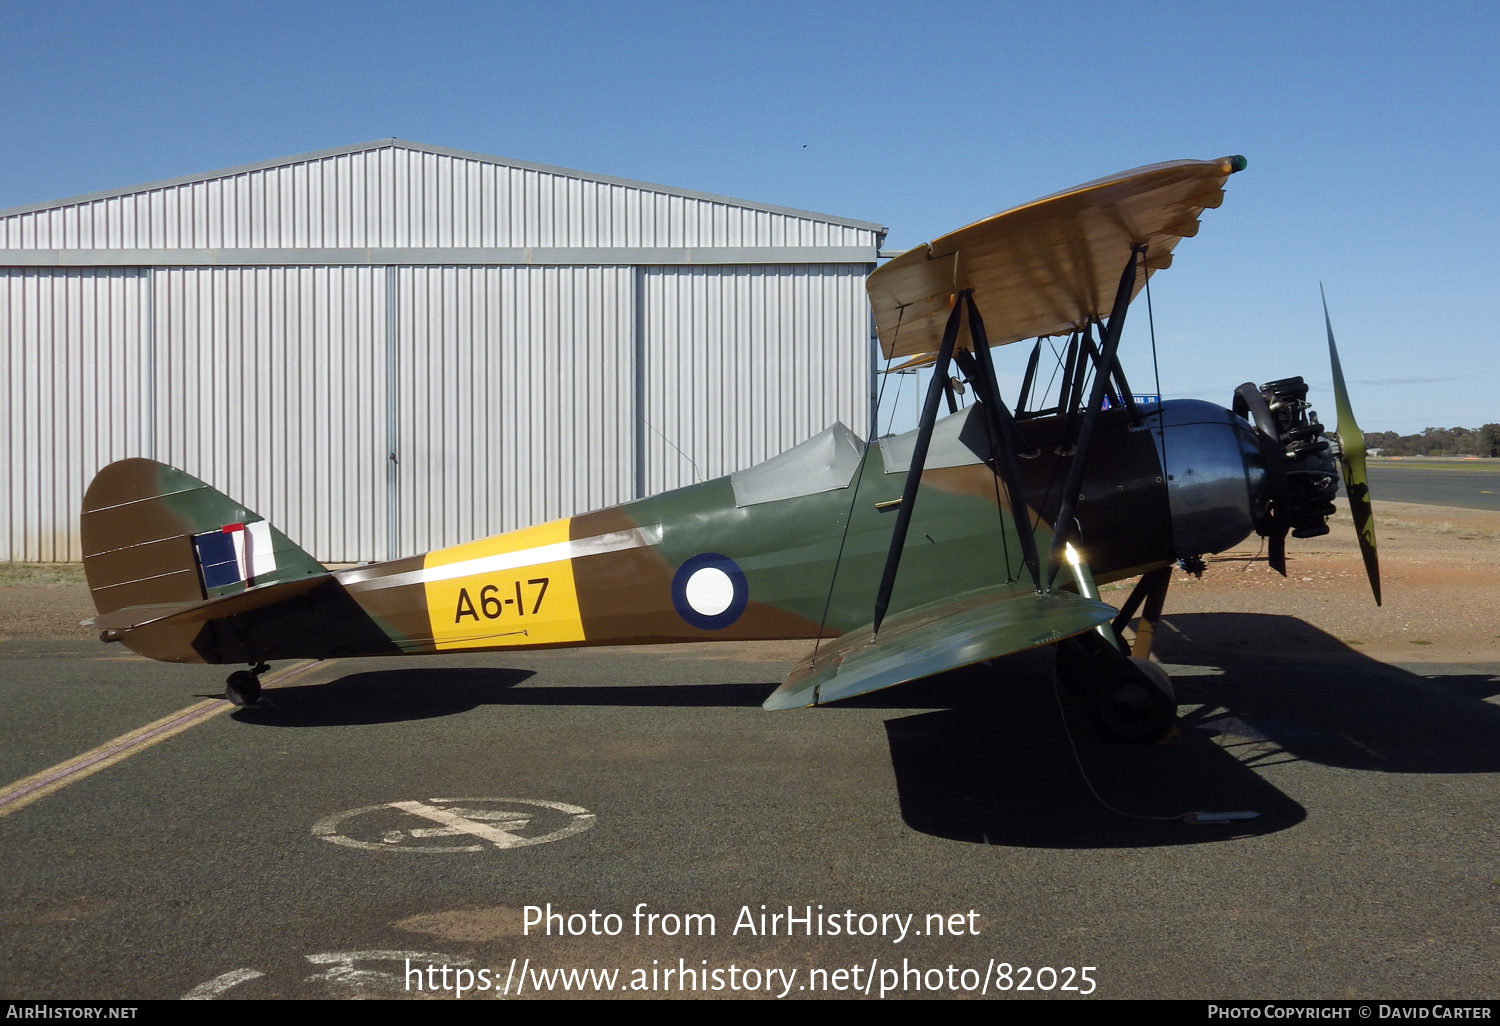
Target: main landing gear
243 686
1130 700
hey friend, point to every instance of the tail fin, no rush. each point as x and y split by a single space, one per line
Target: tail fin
154 536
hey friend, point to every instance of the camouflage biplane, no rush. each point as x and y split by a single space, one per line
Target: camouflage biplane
980 533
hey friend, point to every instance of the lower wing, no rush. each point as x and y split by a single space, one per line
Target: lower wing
959 631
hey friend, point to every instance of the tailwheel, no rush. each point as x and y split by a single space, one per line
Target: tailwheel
242 688
1133 703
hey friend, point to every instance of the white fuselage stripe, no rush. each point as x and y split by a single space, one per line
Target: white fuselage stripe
553 553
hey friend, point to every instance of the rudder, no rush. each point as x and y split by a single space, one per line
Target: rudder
155 535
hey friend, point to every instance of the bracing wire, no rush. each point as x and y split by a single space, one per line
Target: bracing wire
896 402
859 474
1057 366
1161 417
995 443
1057 464
1052 475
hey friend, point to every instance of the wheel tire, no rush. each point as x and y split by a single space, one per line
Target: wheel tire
1133 704
242 688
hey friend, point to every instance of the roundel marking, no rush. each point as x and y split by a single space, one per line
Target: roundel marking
710 591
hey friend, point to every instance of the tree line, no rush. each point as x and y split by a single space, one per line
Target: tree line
1434 441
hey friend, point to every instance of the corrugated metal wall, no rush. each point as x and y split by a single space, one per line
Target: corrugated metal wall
271 386
75 379
397 197
516 404
515 401
744 362
376 411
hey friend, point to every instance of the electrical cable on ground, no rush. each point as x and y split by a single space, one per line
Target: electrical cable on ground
1195 818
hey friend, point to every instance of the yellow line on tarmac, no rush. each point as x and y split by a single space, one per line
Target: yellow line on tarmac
39 785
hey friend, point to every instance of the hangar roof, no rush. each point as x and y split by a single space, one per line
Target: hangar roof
395 194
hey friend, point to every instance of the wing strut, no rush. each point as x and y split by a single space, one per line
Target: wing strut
1026 383
1126 396
935 391
1110 345
1072 386
1005 430
980 370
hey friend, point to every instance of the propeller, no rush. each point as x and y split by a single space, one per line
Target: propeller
1352 462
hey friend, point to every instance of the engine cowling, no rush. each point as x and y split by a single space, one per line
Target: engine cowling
1215 470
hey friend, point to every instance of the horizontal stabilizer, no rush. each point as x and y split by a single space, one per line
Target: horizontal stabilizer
119 621
957 631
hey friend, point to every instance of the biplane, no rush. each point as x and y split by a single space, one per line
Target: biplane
984 531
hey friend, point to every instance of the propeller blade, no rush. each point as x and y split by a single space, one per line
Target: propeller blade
1352 461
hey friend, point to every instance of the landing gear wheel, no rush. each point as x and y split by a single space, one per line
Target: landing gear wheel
1133 703
242 688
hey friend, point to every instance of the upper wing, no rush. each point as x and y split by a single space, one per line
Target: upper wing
1046 267
945 635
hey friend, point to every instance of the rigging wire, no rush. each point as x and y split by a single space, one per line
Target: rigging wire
995 443
1061 400
896 402
1161 415
1055 368
859 474
1057 463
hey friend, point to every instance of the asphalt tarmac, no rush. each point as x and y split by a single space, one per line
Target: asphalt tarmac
1473 485
259 853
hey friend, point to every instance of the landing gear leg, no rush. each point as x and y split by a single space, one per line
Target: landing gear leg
243 686
1152 589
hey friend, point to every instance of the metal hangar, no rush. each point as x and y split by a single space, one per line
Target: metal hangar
391 347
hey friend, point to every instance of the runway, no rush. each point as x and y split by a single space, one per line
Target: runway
1436 482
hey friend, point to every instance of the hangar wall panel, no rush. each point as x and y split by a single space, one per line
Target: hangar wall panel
393 196
373 411
742 363
75 376
271 386
515 392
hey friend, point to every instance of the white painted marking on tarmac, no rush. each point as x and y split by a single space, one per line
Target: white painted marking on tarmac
219 984
344 970
39 785
709 591
484 819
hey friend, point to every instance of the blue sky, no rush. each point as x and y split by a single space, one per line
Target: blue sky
1371 132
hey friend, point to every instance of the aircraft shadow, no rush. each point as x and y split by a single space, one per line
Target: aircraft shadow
998 768
383 696
985 756
1289 685
388 696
